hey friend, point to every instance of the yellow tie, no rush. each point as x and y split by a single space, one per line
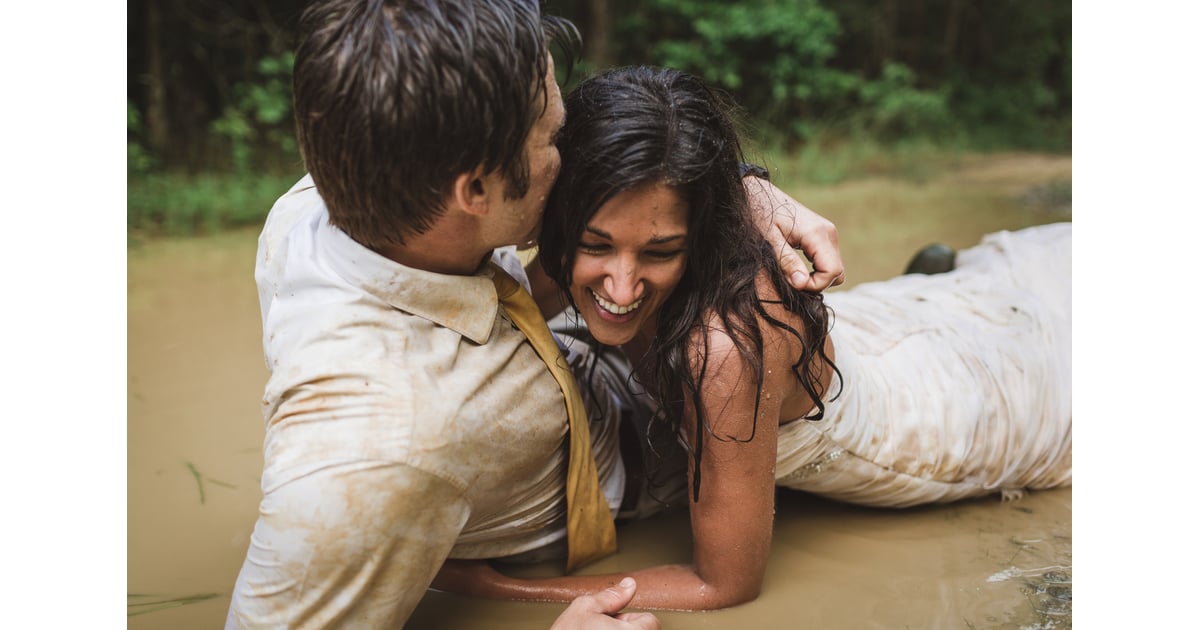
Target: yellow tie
591 534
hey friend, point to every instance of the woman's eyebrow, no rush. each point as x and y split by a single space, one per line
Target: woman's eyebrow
598 232
657 240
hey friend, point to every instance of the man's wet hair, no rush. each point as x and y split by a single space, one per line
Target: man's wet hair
395 98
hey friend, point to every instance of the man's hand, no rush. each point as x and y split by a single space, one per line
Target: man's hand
793 226
598 611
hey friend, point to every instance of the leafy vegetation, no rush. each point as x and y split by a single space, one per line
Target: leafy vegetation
260 112
182 204
834 88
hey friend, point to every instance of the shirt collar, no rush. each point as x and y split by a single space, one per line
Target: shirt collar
465 304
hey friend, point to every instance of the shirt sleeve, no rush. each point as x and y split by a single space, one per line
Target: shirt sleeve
353 545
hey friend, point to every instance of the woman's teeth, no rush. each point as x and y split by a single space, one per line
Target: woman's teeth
613 308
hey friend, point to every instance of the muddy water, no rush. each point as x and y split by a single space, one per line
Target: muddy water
195 432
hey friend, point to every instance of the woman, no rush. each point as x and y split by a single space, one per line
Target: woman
926 389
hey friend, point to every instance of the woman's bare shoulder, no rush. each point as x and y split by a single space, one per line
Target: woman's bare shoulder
713 339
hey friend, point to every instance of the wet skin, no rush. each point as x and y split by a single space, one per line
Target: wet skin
630 258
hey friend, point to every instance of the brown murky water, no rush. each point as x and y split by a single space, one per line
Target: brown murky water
195 433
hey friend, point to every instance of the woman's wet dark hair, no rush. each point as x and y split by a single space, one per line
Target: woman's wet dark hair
640 125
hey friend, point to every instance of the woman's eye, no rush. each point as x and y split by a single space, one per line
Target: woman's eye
593 248
664 255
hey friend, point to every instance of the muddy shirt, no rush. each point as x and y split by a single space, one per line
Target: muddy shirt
407 421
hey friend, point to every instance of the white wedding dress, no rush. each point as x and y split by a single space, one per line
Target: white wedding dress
956 385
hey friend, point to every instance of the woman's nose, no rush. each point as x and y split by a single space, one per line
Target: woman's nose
622 283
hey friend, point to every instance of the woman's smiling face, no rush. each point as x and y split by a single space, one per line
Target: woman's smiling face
630 257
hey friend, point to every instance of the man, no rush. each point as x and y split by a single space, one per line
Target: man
408 420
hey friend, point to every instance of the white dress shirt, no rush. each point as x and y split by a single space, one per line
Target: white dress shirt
407 421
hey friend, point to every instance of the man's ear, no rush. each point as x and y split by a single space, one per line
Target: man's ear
471 191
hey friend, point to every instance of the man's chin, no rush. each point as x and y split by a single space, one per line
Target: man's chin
531 240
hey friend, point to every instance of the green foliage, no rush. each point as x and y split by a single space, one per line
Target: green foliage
179 205
260 113
773 57
257 126
893 107
783 61
1002 67
832 157
139 160
842 88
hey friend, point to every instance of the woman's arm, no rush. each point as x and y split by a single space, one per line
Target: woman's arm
601 609
731 523
478 578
